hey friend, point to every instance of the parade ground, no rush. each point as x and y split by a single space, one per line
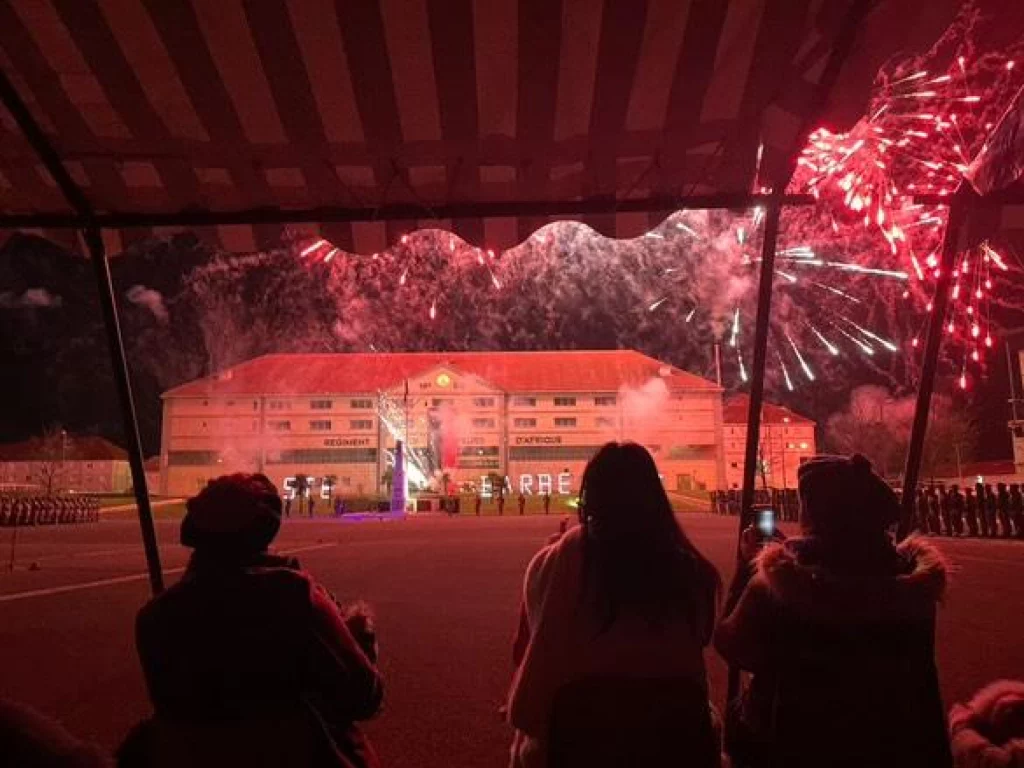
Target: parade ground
445 592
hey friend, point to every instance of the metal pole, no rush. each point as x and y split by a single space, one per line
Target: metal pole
84 214
957 212
1013 382
105 288
855 14
764 308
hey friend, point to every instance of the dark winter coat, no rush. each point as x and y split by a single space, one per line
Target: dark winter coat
231 642
842 652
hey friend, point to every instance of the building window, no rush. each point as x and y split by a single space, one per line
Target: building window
551 452
361 403
483 402
320 425
604 421
565 422
565 402
437 402
735 465
524 402
309 456
522 423
483 423
803 446
191 458
605 400
361 424
231 402
279 405
321 405
279 426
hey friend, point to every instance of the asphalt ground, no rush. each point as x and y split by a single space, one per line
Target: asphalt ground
445 592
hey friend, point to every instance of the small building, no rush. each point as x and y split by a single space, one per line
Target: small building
787 441
531 418
66 463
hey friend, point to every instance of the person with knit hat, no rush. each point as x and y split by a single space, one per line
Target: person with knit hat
247 636
837 627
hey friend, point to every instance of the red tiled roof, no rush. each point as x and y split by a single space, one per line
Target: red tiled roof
735 412
554 371
76 448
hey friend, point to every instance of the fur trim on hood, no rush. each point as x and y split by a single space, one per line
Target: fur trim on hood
902 582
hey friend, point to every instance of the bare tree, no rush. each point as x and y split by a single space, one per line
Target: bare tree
878 425
48 466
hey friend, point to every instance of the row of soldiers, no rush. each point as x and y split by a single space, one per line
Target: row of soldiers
16 510
981 511
784 501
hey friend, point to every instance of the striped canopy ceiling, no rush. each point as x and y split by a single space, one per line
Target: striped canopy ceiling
164 106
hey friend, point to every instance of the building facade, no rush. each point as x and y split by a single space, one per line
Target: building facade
65 463
534 418
787 440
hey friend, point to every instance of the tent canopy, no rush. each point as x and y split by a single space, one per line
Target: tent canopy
369 118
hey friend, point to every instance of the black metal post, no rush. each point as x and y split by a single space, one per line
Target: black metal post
86 216
105 289
940 304
855 14
764 308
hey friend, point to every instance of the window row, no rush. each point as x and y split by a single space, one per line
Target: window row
318 425
320 404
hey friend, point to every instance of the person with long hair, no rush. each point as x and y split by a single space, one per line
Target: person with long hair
624 594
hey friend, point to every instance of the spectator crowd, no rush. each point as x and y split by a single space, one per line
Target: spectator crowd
248 660
23 509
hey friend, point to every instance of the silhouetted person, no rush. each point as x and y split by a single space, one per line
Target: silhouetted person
1017 509
923 512
1003 509
547 503
477 504
30 739
522 503
247 636
288 505
501 504
980 495
991 510
837 626
971 507
945 509
624 595
311 501
934 512
956 503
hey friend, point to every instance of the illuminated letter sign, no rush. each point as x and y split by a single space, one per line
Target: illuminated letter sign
543 483
564 483
485 487
526 485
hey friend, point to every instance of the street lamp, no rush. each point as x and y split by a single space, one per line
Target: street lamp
63 451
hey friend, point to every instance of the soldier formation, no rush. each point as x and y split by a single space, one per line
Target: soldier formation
784 501
19 509
979 511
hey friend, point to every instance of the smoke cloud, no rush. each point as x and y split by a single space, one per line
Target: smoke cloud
31 298
152 300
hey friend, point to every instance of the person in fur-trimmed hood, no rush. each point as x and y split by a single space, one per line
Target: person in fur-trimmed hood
988 731
837 626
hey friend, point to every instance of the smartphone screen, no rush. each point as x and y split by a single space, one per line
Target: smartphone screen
766 522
